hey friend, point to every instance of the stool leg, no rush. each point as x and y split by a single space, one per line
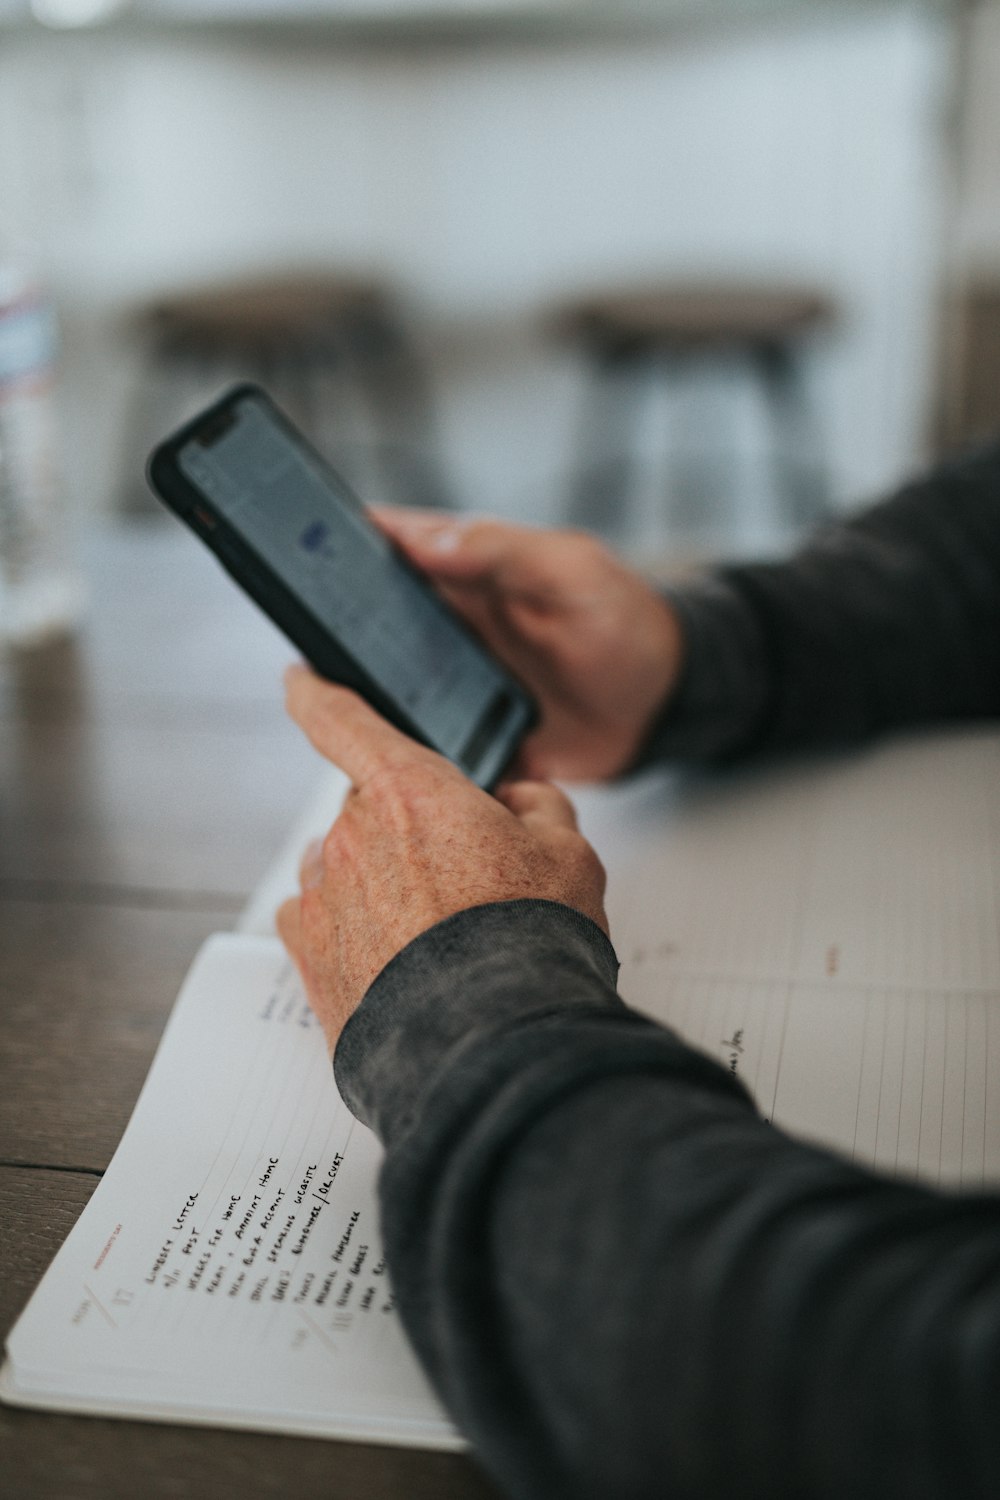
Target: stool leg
799 468
395 384
692 481
297 374
274 365
606 460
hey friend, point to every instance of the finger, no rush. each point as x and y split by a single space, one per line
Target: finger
311 866
403 523
538 802
533 761
460 549
344 728
288 922
426 537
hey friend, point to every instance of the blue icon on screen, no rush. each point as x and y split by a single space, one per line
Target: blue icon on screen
316 539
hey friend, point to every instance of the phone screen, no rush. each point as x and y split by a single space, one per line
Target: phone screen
311 530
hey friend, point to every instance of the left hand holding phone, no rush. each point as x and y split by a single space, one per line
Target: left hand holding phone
416 842
597 646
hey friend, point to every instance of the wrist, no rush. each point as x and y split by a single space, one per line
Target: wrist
484 970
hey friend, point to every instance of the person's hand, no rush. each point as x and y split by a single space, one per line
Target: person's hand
415 843
591 640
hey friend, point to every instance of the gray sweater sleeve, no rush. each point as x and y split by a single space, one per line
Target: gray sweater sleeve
622 1281
889 619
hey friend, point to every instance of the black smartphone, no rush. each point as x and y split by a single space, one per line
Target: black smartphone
296 538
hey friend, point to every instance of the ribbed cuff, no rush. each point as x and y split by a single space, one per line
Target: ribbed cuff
722 697
483 970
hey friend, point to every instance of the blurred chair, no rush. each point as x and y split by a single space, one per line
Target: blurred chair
328 348
969 406
667 332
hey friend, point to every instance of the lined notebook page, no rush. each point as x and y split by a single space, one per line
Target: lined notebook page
831 933
229 1267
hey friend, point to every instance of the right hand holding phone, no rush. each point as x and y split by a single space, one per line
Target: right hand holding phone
415 842
591 640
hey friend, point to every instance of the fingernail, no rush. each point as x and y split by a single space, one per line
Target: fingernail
448 539
413 526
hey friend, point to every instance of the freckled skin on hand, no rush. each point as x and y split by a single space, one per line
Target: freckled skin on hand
415 843
598 649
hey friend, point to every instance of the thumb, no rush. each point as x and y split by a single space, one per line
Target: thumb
537 803
451 548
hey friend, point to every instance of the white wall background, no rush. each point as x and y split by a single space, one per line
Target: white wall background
490 181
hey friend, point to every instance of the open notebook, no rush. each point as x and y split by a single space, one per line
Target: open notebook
831 932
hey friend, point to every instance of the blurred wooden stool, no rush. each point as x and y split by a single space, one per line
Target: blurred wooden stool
969 371
329 349
663 332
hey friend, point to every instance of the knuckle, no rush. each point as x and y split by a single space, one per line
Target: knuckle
586 860
338 843
562 803
568 846
330 845
518 795
588 550
286 919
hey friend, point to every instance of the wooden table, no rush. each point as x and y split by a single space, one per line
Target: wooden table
147 776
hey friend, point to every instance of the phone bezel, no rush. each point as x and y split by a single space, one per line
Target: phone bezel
326 653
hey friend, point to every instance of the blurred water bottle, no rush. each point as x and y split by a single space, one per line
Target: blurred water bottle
41 591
